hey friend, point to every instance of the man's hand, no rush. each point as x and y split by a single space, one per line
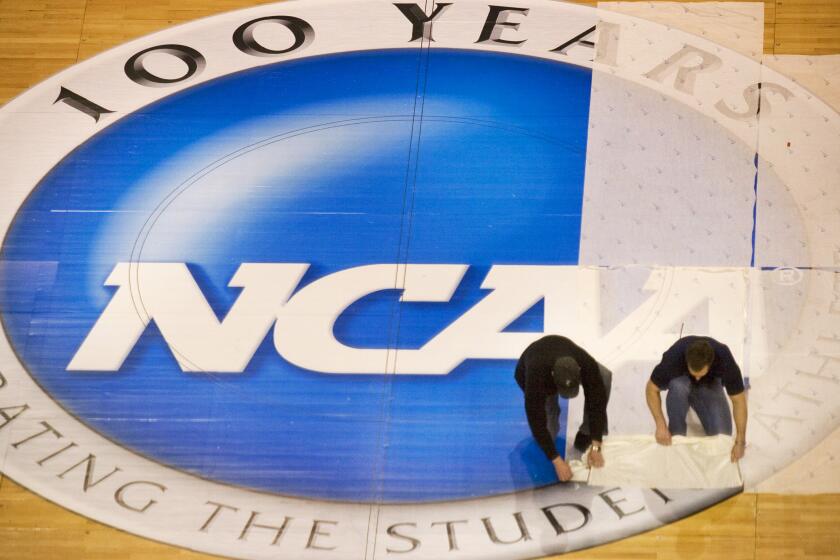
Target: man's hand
739 412
562 468
738 450
663 435
596 458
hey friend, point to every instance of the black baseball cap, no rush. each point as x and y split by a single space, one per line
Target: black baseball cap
566 375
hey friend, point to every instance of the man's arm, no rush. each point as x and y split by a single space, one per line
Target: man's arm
595 404
739 411
654 402
594 396
535 411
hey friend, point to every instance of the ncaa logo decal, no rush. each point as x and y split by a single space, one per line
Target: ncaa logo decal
265 276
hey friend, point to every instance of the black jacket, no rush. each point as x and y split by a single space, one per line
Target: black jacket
533 374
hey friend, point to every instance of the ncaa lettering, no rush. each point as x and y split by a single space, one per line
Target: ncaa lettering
304 321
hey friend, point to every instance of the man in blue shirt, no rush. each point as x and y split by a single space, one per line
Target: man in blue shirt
695 371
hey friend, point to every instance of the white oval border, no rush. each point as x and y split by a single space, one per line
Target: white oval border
182 515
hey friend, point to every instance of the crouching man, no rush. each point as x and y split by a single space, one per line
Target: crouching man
695 371
554 367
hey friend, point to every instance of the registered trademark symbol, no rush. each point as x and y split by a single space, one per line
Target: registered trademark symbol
787 276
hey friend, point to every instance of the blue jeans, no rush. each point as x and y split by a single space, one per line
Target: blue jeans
708 401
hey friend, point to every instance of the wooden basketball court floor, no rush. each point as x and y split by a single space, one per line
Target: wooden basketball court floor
41 37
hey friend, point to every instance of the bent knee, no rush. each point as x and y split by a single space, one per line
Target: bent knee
679 387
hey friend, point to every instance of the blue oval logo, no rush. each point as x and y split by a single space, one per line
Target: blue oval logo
334 163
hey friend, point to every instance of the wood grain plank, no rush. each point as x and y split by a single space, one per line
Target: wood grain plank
798 38
769 26
37 39
32 528
112 22
726 530
43 29
807 11
798 527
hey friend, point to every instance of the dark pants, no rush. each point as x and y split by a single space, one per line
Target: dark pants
707 399
552 408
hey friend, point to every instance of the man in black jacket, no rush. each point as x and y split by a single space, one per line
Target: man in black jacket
554 367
